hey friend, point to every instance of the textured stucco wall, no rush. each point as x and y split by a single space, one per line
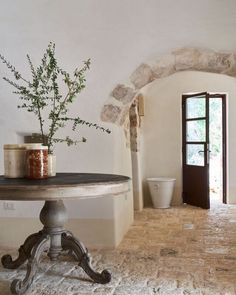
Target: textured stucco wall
161 130
117 35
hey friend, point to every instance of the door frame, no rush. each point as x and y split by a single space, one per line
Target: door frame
223 97
224 143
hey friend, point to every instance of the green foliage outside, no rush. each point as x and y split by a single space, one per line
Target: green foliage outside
196 130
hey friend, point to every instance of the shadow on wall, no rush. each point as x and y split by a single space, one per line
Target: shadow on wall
146 195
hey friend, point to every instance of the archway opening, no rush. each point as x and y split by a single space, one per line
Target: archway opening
161 128
116 108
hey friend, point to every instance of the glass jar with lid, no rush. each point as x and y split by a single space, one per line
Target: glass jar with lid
36 164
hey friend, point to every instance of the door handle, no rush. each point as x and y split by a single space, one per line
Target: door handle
204 151
207 155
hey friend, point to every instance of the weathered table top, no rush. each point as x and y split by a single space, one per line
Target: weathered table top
63 186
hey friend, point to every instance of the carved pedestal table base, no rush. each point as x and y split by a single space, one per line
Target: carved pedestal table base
53 239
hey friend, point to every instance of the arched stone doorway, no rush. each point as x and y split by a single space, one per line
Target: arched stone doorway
121 106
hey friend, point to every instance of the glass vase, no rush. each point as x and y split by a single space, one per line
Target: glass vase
51 165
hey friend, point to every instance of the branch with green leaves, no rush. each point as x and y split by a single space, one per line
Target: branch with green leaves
43 95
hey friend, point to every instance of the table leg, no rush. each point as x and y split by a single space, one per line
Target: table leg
69 242
53 239
19 287
53 216
24 252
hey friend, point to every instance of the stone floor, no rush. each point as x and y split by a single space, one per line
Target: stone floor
182 250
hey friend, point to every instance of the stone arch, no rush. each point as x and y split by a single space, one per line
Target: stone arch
117 107
121 107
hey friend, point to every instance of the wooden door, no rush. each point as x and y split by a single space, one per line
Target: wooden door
195 120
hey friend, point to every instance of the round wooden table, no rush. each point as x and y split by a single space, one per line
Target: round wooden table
53 238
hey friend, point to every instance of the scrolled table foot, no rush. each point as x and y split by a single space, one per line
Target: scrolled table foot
16 287
103 278
19 287
82 256
24 252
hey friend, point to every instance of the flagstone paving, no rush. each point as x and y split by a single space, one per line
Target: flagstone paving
181 250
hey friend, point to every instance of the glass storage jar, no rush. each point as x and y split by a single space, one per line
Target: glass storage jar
36 163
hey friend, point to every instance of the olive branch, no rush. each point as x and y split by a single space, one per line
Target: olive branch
43 93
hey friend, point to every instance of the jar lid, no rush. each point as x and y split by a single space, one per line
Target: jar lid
37 147
21 146
30 145
13 147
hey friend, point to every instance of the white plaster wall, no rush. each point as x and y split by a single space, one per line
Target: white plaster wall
117 35
162 126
